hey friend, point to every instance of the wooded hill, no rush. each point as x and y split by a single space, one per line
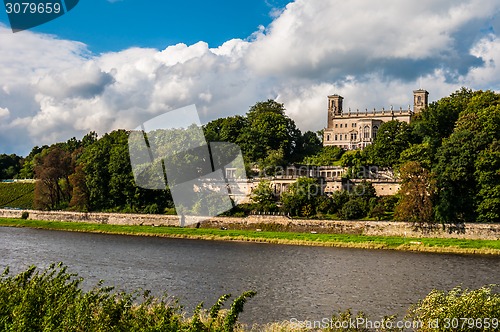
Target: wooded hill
448 160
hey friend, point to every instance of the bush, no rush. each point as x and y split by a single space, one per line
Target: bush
25 215
52 300
353 209
458 310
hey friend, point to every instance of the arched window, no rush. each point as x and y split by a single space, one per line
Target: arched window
375 130
366 132
328 137
336 137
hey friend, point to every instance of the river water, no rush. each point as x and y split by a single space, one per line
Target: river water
305 283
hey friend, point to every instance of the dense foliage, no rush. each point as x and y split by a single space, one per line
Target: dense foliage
455 142
52 300
10 165
458 310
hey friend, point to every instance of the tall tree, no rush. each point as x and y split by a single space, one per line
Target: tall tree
52 170
417 193
487 175
263 196
392 139
10 165
300 197
460 176
269 128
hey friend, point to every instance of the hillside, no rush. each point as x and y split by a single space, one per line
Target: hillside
17 195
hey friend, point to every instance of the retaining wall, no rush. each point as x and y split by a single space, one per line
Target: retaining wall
266 222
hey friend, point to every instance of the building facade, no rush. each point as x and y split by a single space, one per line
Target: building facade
355 130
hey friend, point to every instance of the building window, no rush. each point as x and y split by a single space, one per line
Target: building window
345 137
328 137
346 125
375 130
366 132
336 125
341 125
335 137
354 125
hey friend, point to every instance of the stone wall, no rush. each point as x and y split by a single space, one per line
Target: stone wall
268 222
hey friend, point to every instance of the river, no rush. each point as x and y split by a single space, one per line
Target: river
306 283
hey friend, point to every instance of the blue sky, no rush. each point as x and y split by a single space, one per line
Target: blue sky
114 65
116 25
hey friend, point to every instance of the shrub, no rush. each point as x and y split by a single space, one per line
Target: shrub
458 310
353 209
52 300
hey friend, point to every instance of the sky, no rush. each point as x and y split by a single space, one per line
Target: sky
108 65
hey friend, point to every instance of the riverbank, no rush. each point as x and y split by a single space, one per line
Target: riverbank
419 244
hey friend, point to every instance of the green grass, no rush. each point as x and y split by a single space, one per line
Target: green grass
333 240
17 195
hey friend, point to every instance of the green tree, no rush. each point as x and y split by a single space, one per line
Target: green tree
28 169
364 190
325 205
487 174
264 197
225 129
422 153
300 197
438 121
353 209
273 163
309 144
10 165
339 198
269 128
392 139
461 188
354 160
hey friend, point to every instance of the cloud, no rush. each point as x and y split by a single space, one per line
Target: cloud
373 53
4 113
318 39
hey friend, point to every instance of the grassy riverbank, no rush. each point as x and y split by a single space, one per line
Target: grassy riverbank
438 245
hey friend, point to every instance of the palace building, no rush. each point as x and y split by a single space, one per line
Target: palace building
355 130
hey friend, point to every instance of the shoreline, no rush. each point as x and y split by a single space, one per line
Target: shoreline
412 244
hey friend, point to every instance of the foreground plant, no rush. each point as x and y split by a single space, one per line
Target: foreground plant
52 300
458 310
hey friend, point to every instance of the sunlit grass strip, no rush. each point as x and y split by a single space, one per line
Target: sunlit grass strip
437 245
